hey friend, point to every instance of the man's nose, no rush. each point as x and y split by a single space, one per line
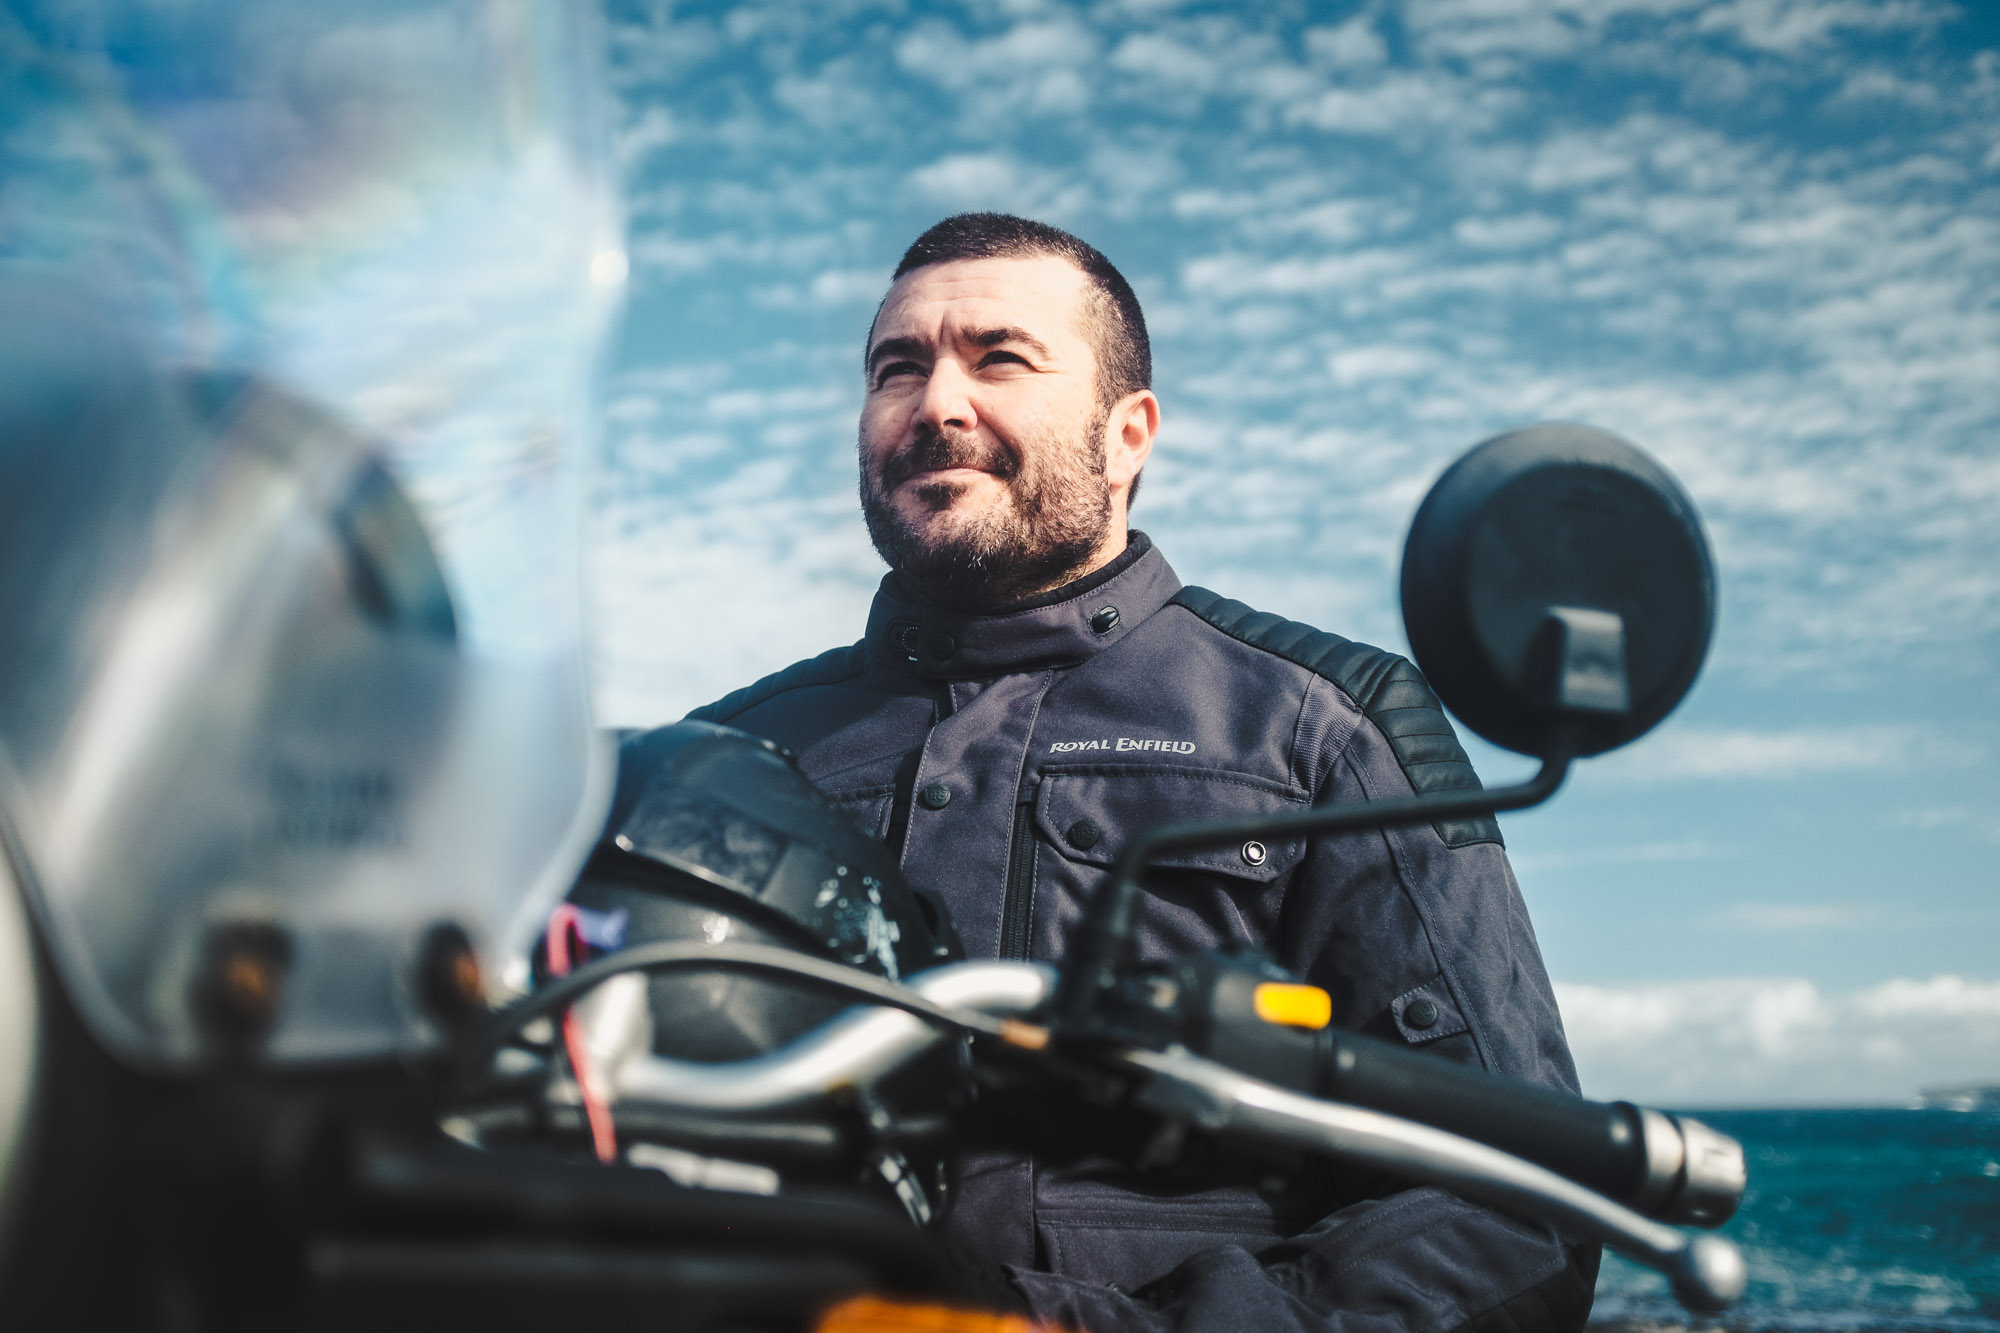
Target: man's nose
948 397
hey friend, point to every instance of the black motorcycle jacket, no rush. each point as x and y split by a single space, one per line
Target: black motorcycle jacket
1010 755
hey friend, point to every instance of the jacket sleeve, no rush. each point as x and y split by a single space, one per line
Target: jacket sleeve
1380 920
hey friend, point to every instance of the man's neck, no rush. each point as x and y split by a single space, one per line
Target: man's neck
1131 547
1116 538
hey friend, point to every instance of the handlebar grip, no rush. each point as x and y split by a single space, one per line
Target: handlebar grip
1667 1167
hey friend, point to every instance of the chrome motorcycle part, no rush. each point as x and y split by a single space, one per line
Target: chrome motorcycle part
855 1050
1713 1175
1630 1155
1707 1272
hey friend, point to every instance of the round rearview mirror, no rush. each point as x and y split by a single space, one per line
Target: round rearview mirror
1556 582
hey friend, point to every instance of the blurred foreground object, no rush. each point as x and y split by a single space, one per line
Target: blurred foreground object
299 315
871 1314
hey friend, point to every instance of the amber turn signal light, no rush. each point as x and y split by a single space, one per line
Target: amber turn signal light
1293 1006
873 1314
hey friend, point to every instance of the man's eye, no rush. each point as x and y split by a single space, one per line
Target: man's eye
895 368
1000 358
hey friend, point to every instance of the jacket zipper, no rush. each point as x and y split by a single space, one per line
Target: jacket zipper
1019 903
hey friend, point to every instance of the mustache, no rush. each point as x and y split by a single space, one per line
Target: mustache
933 448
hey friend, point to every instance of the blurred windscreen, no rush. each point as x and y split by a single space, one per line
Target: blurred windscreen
300 309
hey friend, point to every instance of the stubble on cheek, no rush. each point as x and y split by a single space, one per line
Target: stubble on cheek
959 547
907 483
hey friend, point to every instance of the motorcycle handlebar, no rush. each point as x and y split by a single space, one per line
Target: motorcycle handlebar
1707 1272
1673 1168
853 1050
1607 1168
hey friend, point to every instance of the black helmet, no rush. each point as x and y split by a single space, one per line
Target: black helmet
716 835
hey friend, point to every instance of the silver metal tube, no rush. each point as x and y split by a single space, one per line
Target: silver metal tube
855 1049
1666 1161
1714 1176
1707 1272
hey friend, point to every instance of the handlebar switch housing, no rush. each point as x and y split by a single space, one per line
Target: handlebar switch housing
1234 1006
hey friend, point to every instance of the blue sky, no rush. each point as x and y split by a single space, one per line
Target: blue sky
1760 238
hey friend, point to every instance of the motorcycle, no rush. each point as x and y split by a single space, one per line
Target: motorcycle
300 1024
455 1184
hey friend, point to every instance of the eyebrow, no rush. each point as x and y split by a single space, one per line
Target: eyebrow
896 347
979 338
1008 334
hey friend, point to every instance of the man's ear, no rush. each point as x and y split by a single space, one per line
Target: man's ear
1129 432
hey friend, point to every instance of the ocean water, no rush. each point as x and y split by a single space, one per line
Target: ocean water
1854 1220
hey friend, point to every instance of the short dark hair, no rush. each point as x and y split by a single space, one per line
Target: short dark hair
1115 326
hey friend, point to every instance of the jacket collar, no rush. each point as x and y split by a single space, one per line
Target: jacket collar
1059 628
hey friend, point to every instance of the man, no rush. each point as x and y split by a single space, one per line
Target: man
1035 686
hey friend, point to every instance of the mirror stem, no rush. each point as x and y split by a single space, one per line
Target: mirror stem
1103 942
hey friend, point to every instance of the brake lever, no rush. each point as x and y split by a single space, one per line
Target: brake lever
1707 1273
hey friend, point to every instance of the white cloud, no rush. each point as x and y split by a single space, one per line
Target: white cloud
1355 365
1033 67
1396 104
1798 916
653 129
1512 232
1483 29
1567 161
1948 998
668 572
677 255
1983 824
849 286
1644 853
1867 85
1355 42
1728 754
839 97
966 176
764 404
1770 1041
1174 65
1237 274
995 180
1788 26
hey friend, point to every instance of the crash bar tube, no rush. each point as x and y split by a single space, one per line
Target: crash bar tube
1103 937
857 1048
1707 1272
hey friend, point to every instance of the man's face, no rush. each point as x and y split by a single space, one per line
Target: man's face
982 437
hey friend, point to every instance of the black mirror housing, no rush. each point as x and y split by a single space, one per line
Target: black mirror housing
1557 582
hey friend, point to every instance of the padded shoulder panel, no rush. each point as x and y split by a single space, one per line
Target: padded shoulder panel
1389 690
830 667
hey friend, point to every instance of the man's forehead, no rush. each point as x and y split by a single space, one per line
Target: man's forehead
1040 294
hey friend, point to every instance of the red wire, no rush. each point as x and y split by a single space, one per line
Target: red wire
564 926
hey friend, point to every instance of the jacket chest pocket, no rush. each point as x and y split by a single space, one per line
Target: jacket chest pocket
1091 814
1086 816
867 806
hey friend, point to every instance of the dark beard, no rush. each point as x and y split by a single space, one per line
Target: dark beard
1060 512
